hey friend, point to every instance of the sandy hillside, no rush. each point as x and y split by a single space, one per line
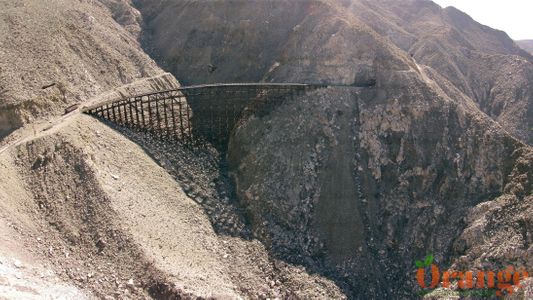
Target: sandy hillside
95 211
111 227
61 52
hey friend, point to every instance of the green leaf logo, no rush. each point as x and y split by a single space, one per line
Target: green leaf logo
428 260
419 264
426 263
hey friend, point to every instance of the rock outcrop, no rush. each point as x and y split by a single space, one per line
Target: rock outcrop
483 63
356 184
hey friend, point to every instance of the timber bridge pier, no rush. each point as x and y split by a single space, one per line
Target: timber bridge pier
197 114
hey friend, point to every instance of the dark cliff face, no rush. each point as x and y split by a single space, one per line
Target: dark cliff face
346 182
217 41
358 183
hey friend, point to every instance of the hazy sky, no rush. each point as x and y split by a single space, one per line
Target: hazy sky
512 16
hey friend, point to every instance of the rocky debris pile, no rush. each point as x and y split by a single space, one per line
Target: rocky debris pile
203 175
80 233
200 171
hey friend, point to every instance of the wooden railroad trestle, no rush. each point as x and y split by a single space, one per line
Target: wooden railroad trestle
196 114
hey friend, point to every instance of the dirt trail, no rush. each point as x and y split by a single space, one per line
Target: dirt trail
36 130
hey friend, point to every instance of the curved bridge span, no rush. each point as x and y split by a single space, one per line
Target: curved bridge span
201 113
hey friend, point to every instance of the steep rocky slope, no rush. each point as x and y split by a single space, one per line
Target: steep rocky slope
359 184
262 40
526 45
483 63
57 53
346 181
273 41
106 218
